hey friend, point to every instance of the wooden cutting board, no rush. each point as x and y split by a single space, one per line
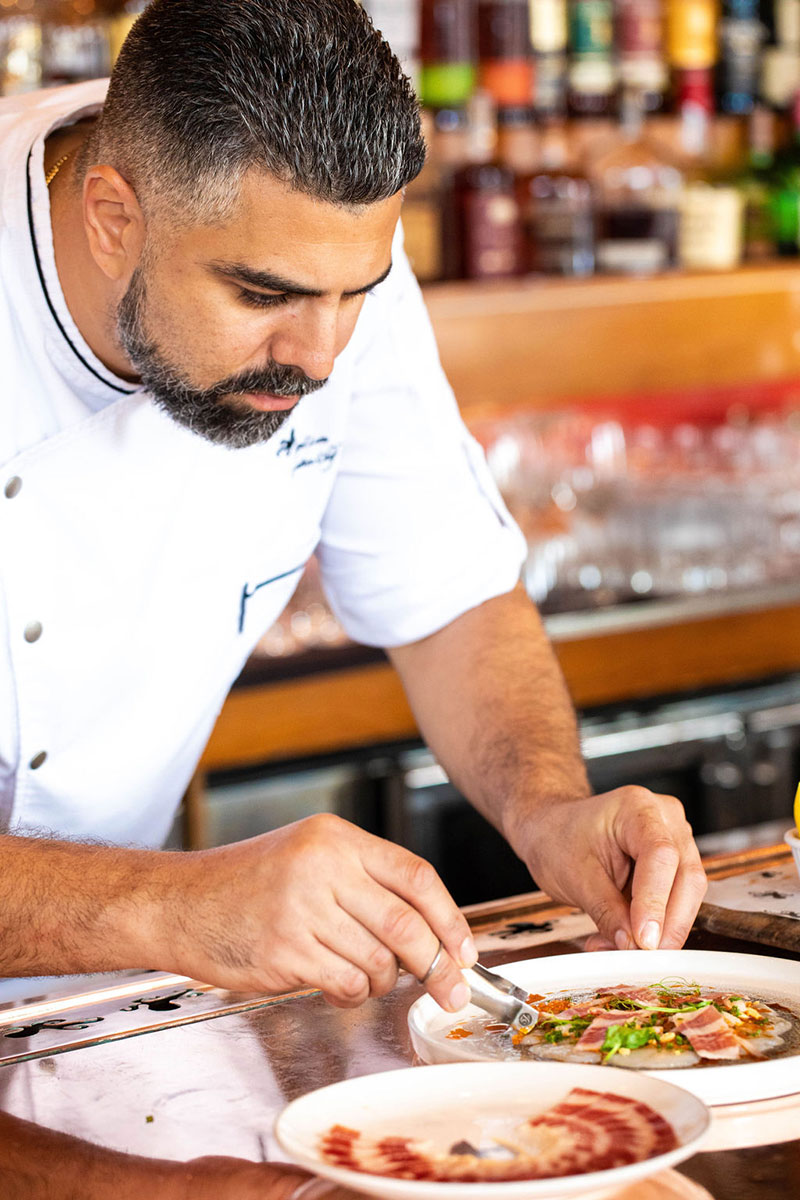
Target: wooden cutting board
764 928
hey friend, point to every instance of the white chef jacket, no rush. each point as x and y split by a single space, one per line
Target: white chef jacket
140 563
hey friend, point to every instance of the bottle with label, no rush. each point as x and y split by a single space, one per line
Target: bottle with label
691 33
780 58
710 207
592 76
20 48
485 227
754 183
448 53
549 31
638 189
74 42
557 209
784 199
740 37
640 50
505 57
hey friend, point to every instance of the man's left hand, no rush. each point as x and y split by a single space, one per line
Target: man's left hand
626 857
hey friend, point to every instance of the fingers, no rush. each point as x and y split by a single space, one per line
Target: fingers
410 935
687 895
416 882
668 879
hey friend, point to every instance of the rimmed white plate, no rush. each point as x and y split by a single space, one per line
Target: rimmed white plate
757 975
474 1101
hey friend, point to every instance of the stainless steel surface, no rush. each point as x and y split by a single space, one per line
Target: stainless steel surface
214 1087
500 998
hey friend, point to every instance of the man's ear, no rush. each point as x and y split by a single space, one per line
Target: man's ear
114 222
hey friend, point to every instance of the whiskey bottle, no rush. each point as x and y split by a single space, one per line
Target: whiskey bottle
638 190
557 210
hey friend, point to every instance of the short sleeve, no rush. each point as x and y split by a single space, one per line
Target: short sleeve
415 532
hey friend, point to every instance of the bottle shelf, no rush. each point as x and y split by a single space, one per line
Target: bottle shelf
547 342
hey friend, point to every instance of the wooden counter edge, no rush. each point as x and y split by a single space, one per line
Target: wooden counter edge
337 710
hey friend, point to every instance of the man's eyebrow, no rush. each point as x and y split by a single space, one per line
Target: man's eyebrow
278 283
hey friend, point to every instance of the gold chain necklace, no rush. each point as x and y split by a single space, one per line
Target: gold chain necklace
56 167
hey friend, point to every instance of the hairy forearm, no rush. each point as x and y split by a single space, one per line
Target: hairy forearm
492 704
42 1164
69 908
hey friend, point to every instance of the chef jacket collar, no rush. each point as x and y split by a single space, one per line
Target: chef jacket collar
97 385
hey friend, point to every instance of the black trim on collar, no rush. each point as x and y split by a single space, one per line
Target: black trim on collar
115 387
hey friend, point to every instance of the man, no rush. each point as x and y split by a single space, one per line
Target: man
215 361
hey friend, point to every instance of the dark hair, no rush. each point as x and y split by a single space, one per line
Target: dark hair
308 90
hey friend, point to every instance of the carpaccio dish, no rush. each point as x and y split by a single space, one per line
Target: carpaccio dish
587 1131
652 1027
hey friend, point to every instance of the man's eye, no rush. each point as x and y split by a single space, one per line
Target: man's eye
262 299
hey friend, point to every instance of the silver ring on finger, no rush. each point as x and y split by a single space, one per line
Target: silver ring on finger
433 965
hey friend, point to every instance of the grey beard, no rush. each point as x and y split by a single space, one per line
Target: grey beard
201 410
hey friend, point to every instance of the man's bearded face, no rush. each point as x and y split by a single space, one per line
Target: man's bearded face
212 412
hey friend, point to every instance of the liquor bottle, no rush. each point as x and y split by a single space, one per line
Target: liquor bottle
398 21
591 76
505 56
549 30
786 19
448 53
485 229
784 199
740 37
780 59
754 183
691 33
74 42
20 49
557 208
640 49
638 190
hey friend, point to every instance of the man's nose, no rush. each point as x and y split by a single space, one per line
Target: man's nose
308 340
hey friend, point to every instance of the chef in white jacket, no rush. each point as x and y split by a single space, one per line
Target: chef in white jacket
215 361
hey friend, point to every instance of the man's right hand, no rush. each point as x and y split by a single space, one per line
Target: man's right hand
318 904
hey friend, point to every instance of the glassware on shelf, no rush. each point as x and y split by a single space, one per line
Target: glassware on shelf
618 510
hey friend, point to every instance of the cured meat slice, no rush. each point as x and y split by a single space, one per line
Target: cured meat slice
586 1132
708 1032
593 1037
642 995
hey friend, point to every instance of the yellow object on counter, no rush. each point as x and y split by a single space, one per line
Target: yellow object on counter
797 809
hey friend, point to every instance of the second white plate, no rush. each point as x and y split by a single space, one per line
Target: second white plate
756 975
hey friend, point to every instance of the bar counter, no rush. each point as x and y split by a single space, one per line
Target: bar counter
215 1068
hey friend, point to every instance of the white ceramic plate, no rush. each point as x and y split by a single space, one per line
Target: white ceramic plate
753 974
449 1103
